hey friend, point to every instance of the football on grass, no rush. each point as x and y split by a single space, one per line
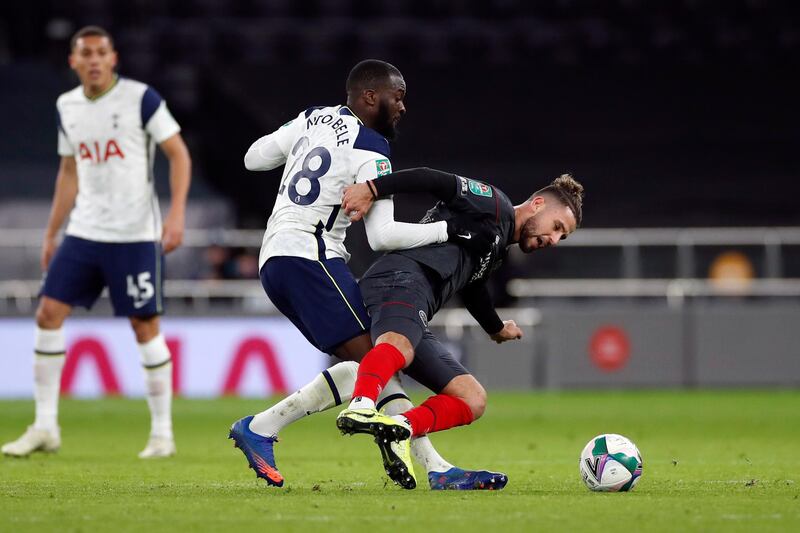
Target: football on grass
611 463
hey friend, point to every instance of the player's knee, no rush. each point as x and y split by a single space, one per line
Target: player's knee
470 391
477 400
145 328
49 314
400 342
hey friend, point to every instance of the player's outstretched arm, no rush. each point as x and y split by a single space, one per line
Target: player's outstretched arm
385 233
180 176
358 198
63 200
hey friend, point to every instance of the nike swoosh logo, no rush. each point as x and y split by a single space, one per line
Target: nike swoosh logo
466 236
139 305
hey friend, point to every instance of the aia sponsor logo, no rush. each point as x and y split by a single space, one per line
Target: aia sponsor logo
99 152
94 352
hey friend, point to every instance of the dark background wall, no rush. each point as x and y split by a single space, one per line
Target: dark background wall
681 113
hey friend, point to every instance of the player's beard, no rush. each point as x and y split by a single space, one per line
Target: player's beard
384 124
530 230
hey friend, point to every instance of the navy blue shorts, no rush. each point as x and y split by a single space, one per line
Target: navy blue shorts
321 298
132 271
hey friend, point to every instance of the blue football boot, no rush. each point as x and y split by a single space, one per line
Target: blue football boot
257 450
458 479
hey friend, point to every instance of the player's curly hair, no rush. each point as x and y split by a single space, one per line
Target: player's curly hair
90 31
370 74
568 191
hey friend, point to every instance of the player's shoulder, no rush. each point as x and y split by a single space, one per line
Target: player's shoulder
306 113
132 86
71 96
140 92
371 141
505 206
328 114
503 198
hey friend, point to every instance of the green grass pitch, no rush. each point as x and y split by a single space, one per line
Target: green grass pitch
713 461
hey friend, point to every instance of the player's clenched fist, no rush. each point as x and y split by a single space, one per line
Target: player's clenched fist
509 332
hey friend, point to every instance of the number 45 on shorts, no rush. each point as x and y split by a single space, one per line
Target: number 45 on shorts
140 289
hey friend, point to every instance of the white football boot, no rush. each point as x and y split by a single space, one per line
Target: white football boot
33 440
158 446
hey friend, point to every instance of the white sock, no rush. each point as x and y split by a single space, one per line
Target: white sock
332 387
48 361
157 364
361 402
394 401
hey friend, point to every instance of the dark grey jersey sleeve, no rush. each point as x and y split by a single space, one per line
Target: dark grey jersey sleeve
479 303
440 184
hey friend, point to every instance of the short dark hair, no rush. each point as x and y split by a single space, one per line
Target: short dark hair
568 191
90 31
370 74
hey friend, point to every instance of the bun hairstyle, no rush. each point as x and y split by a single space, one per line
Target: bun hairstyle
568 191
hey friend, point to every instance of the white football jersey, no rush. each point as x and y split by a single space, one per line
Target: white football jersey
324 150
113 138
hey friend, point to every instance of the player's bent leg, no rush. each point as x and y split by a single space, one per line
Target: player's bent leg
442 475
157 366
450 409
467 389
44 435
436 368
470 391
438 413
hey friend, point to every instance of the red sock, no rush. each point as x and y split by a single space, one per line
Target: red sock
438 413
376 368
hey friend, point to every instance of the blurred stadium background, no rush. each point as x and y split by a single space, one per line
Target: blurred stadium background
680 118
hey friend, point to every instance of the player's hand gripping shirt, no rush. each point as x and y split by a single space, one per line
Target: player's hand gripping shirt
113 138
324 150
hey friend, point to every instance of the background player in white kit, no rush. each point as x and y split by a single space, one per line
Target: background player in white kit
107 131
303 258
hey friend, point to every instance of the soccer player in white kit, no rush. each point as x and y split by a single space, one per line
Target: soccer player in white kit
108 128
303 258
